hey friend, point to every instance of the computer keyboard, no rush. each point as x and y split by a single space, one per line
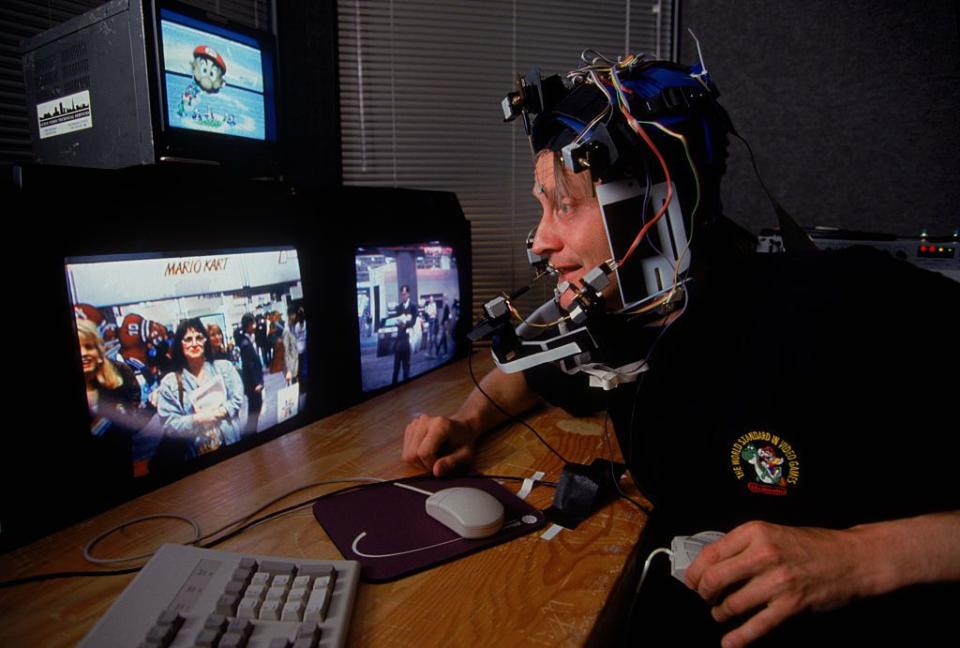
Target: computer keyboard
203 598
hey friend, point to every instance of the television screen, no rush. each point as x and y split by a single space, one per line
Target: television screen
408 304
215 79
184 355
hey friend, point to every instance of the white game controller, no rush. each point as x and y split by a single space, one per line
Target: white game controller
684 549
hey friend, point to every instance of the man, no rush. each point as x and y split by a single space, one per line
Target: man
406 315
252 370
778 405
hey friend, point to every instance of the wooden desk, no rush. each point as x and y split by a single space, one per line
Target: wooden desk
526 592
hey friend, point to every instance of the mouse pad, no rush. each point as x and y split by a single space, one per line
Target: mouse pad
387 530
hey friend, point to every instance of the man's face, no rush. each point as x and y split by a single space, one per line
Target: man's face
404 295
572 237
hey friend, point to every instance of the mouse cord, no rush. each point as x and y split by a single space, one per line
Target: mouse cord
636 594
413 488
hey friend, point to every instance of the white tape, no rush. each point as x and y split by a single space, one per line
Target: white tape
528 485
552 532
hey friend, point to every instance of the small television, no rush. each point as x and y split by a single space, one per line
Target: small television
184 355
141 82
403 274
408 309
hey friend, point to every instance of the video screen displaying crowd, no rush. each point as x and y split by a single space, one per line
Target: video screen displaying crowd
160 395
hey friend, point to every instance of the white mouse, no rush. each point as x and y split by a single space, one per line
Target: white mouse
468 512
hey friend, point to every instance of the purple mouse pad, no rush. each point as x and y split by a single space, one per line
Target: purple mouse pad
387 530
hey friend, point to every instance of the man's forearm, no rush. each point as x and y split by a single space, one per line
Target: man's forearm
509 391
909 551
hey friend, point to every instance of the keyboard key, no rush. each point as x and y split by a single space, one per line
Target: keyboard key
276 567
317 606
297 594
279 642
302 581
276 594
232 640
305 643
281 581
216 622
256 591
240 626
260 578
208 638
293 611
309 631
227 605
270 611
316 570
242 574
249 608
248 563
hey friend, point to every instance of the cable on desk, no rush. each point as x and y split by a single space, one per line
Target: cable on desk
39 578
112 561
510 416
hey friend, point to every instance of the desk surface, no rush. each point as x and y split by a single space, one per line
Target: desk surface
531 591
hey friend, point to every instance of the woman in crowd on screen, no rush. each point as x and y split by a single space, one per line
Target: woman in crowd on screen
201 399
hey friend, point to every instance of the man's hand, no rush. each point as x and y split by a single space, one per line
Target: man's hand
776 571
426 437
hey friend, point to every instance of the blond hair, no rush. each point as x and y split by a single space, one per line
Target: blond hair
107 374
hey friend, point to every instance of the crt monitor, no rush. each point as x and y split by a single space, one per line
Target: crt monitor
408 308
138 82
160 397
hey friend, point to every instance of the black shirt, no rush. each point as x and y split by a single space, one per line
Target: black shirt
797 389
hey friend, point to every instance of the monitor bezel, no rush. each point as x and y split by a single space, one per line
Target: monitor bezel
184 145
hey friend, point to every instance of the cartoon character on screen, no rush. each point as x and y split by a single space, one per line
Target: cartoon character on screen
209 70
143 345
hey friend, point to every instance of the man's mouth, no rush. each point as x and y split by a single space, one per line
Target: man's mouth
565 273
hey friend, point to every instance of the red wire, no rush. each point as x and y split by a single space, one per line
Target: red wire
666 171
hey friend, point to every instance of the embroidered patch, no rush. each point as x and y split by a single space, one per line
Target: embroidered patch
766 463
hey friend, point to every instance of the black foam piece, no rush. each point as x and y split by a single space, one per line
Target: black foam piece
582 490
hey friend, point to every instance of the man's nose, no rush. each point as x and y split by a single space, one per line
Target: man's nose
545 240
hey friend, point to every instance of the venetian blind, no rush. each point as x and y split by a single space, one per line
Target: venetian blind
420 87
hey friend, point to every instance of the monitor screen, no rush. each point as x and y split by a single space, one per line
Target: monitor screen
408 304
215 79
186 354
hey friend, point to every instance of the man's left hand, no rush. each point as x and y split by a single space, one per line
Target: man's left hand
775 572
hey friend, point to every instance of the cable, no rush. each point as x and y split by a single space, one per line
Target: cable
643 577
506 413
616 482
112 561
39 578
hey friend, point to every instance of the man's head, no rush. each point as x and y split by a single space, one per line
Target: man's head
644 122
404 293
248 323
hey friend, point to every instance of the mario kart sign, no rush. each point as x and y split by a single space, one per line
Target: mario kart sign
766 463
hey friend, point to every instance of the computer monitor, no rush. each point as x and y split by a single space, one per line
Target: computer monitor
408 309
139 82
142 319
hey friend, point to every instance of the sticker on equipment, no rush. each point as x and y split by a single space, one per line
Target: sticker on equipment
65 115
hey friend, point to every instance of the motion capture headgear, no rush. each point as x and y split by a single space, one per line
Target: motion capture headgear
591 117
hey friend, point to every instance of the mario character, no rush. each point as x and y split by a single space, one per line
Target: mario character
209 70
765 461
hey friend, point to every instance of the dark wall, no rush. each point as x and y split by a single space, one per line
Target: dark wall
853 108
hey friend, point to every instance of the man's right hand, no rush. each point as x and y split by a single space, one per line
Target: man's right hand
438 444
